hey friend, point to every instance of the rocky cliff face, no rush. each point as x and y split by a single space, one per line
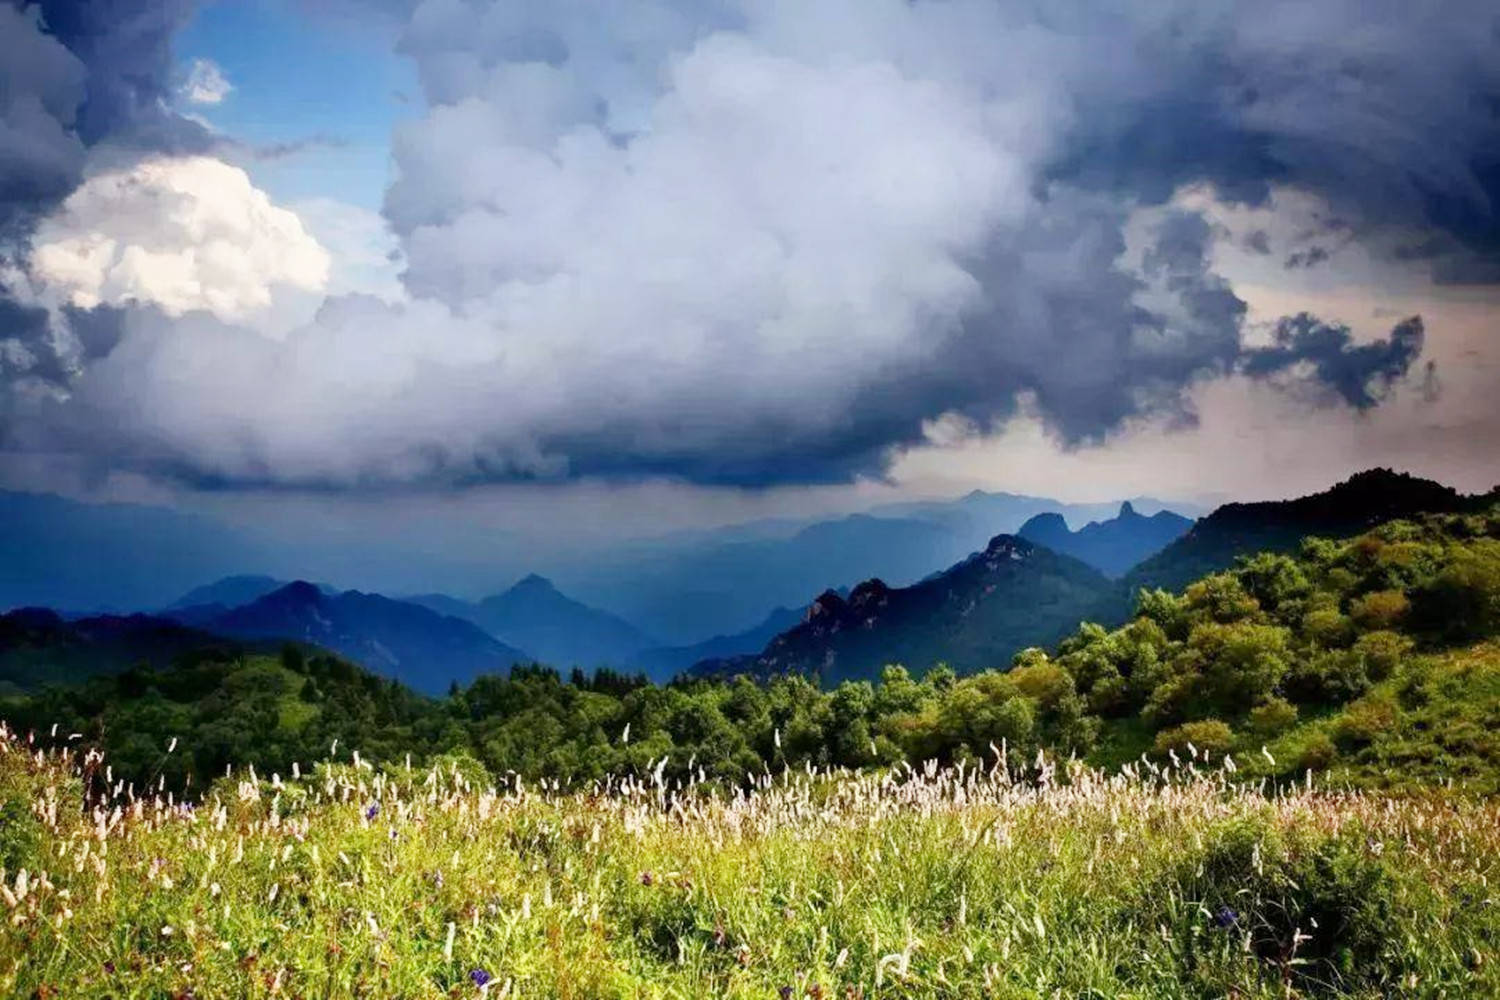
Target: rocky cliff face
976 614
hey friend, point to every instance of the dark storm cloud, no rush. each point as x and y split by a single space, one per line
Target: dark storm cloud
1371 109
1361 374
23 326
96 330
1303 259
74 78
41 154
126 49
1389 111
76 75
755 243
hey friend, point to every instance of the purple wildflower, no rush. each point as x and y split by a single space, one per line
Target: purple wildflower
372 811
785 993
1226 917
479 977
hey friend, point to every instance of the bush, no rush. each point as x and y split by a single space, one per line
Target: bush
1382 609
1211 737
1277 582
1165 610
1463 601
1326 627
1316 909
1274 716
1365 721
1381 652
1242 663
1046 683
1315 752
1329 678
20 836
1222 598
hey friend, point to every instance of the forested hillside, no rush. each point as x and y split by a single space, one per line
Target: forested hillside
974 615
1358 503
1374 657
39 647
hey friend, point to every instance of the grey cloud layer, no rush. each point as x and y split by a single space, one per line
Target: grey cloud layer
77 81
1361 374
1390 111
75 75
762 242
41 154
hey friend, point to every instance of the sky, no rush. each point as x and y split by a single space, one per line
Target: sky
559 271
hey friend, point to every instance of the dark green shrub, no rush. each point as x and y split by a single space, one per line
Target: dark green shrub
1319 911
20 836
1315 752
1274 716
1383 609
1364 721
1329 677
1381 653
1463 601
1325 626
1209 736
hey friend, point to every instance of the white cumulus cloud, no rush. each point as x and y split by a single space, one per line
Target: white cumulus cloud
182 234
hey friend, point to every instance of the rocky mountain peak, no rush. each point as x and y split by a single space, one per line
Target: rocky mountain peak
1008 547
826 605
870 592
535 583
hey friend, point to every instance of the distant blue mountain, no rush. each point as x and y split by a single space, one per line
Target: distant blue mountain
201 606
662 663
229 592
553 627
978 508
410 643
974 615
688 588
1113 547
672 590
720 581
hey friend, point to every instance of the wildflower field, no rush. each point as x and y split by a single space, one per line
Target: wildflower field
357 880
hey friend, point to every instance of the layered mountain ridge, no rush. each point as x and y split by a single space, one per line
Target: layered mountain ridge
421 648
1111 546
979 613
556 629
877 625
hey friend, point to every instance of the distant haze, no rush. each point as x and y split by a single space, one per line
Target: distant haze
678 587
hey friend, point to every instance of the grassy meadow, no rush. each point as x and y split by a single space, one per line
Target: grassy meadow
357 880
